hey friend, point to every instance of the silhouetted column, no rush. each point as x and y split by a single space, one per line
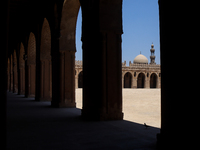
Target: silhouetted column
11 73
67 79
15 73
44 71
101 37
123 80
3 80
177 100
8 74
21 90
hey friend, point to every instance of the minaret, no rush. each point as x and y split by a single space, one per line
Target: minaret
152 57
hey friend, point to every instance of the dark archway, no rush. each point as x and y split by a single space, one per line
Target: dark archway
31 63
153 80
63 77
80 80
45 58
15 73
8 75
21 70
141 80
127 80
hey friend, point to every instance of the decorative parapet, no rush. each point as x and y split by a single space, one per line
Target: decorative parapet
78 63
132 65
124 64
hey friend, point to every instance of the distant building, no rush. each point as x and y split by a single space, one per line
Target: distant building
138 74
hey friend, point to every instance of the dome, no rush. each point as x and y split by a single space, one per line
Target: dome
140 59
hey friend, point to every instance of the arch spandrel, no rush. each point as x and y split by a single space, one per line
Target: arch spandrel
45 49
68 25
21 55
31 57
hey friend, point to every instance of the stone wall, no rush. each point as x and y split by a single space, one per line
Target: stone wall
134 69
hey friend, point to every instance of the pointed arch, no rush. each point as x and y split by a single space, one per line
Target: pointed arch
68 25
31 63
153 80
141 80
21 70
45 47
15 73
45 58
67 48
127 80
31 53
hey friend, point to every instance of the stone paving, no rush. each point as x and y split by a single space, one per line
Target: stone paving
139 105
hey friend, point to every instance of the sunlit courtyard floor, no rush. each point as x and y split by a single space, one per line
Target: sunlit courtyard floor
139 105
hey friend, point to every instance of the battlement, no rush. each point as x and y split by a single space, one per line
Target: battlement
78 63
132 65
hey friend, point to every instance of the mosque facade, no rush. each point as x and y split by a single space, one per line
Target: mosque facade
139 74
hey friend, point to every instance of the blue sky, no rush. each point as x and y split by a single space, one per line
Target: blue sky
140 27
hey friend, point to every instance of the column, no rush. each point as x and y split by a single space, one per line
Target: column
76 80
22 81
31 80
123 80
177 102
133 81
63 75
147 81
101 37
67 79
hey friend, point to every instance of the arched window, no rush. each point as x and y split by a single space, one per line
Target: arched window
153 80
141 80
127 80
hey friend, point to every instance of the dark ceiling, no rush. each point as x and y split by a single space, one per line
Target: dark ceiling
24 15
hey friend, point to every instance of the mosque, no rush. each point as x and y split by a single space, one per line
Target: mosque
139 74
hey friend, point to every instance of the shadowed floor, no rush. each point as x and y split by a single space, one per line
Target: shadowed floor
35 125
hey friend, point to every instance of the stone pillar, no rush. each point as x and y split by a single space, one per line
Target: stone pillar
158 82
11 74
177 102
15 73
31 80
135 83
147 82
123 80
22 81
45 89
67 79
31 66
76 80
21 90
63 75
8 75
101 37
4 62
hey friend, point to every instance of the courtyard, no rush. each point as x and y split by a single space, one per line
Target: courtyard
139 105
